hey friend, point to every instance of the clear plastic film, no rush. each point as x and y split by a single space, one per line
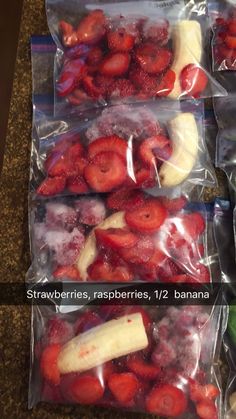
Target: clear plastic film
111 52
223 22
141 356
124 236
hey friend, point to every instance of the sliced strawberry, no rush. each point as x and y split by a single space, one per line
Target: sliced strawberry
168 270
124 199
166 84
115 64
48 363
149 270
104 371
202 273
152 58
206 409
147 321
148 218
140 253
123 386
92 28
155 148
166 400
102 270
156 31
74 151
121 88
116 238
58 165
69 35
51 186
230 41
91 88
174 205
77 185
144 177
58 331
192 225
111 143
86 321
200 393
86 389
146 371
67 272
66 83
120 40
94 57
193 80
105 172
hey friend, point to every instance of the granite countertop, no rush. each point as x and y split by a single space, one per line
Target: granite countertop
14 247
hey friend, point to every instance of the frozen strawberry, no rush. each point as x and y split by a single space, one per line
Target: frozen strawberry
51 186
123 386
201 273
174 205
67 272
156 31
144 177
199 392
168 270
192 225
86 389
145 370
232 27
77 97
58 331
145 316
116 238
59 165
164 354
140 253
166 400
69 35
59 215
230 41
91 211
115 64
104 83
102 270
206 409
48 363
155 148
104 371
149 270
111 143
94 56
78 51
120 40
76 67
193 80
79 164
86 321
124 199
121 88
91 88
105 172
74 151
166 84
77 185
66 83
92 28
148 218
152 58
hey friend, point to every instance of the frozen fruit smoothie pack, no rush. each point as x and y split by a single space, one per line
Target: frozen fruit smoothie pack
158 360
109 52
124 237
126 146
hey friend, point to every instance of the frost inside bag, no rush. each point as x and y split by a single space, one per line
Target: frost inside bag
223 20
149 359
126 51
123 237
124 147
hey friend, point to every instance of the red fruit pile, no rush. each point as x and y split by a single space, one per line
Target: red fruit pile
104 165
159 240
163 379
111 58
225 42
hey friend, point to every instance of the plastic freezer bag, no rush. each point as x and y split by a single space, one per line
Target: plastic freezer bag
123 237
223 20
129 146
149 359
126 51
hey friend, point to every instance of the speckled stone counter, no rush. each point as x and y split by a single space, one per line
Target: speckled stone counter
14 247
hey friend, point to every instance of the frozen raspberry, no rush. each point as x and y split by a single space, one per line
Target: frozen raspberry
40 231
91 211
201 320
172 313
58 331
164 354
189 350
60 215
162 329
66 246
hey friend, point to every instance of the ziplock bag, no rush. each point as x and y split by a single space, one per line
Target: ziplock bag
126 236
159 360
109 52
154 145
223 22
